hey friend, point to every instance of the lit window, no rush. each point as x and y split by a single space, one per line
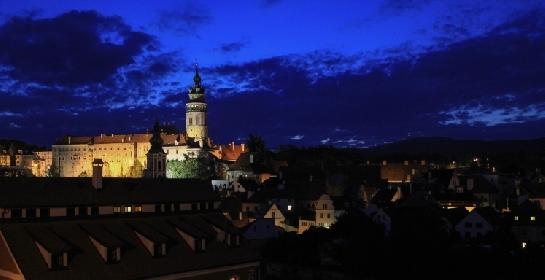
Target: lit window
234 277
117 209
138 208
523 245
532 218
516 218
127 209
289 207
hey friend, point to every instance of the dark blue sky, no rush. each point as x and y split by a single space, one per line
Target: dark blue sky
345 73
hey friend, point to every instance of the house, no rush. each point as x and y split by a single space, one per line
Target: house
478 223
528 224
379 217
485 192
276 215
119 228
261 228
536 193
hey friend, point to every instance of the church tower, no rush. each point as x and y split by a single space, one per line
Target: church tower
157 158
195 117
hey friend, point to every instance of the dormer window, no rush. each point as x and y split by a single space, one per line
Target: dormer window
59 261
54 251
107 245
113 255
154 242
159 249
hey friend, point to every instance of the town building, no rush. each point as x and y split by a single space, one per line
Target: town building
119 228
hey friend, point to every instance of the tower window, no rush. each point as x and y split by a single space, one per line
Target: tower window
190 121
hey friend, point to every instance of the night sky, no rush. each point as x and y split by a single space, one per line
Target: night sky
342 73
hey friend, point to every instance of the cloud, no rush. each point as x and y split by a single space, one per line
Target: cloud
491 116
10 114
14 125
380 100
403 5
184 20
74 48
270 3
232 47
325 141
353 100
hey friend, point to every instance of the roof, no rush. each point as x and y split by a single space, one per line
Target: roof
489 214
481 185
49 192
232 152
135 263
168 139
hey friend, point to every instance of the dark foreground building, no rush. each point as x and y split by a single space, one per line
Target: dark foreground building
114 228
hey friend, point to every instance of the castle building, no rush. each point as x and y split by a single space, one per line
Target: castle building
127 155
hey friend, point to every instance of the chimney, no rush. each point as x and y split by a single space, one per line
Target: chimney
243 147
97 173
233 145
69 140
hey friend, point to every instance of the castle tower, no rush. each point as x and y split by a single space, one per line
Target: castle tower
195 117
157 158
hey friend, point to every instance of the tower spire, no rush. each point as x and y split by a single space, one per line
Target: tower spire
197 77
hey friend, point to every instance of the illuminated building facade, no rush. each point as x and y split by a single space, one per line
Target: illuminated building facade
126 155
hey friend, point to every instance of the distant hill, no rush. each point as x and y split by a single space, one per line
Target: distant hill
454 148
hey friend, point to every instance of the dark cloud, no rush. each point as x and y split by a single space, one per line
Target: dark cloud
185 20
270 3
486 87
404 5
232 47
492 84
74 48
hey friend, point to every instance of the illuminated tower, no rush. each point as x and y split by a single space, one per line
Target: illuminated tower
157 158
195 117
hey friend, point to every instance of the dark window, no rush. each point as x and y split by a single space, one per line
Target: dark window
82 211
57 261
70 212
31 212
112 256
44 213
203 205
159 249
478 225
16 213
193 206
468 225
158 208
94 211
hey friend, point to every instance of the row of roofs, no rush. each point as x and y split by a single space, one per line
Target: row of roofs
123 248
24 192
